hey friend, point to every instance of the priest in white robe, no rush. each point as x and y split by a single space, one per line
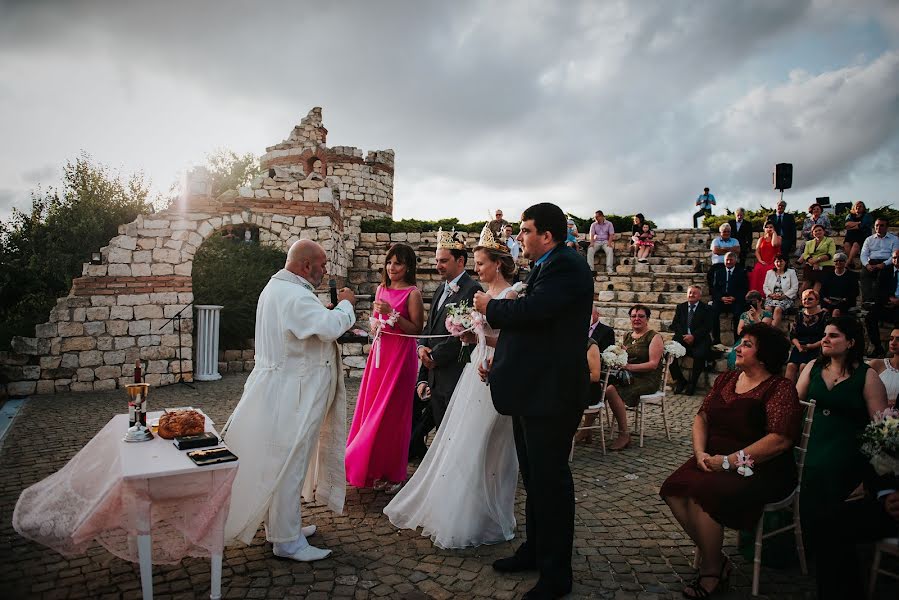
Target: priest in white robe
289 428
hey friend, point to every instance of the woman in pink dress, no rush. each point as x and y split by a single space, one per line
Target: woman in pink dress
767 248
377 447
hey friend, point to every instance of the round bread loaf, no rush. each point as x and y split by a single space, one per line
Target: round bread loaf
181 423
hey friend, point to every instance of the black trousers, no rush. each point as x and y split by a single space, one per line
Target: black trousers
877 315
543 444
836 560
700 352
701 213
735 309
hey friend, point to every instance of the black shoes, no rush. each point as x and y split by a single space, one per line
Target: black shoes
514 564
679 387
691 390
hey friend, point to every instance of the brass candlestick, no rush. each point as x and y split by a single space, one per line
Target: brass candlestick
137 413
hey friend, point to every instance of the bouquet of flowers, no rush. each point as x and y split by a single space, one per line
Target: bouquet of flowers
675 349
614 356
461 318
880 441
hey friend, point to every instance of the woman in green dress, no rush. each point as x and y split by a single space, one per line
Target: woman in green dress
644 368
848 393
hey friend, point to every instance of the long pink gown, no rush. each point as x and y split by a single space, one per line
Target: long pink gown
377 446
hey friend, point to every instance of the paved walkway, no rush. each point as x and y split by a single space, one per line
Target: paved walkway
627 544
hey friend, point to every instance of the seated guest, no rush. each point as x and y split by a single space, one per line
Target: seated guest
643 243
600 332
848 393
728 287
875 257
594 364
571 237
511 242
817 259
601 237
816 217
859 226
806 333
871 519
723 244
601 337
741 230
888 368
753 410
644 370
839 289
781 289
692 327
755 313
886 306
766 250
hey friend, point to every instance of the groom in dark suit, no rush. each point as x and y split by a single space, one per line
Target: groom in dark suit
539 376
440 365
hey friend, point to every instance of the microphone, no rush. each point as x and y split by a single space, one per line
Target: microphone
332 287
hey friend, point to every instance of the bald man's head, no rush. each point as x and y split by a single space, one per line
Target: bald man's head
308 260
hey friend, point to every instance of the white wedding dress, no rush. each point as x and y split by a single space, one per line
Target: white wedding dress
463 492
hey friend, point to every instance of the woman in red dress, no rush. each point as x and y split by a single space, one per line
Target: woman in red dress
766 250
753 410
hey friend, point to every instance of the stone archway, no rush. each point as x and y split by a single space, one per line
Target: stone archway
117 312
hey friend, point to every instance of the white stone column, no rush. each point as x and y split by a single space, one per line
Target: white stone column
207 342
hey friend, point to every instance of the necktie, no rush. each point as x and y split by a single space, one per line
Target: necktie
727 281
690 318
446 293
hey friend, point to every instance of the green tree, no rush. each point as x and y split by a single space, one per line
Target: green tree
232 274
41 250
230 170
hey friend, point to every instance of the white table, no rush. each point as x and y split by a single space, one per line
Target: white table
161 472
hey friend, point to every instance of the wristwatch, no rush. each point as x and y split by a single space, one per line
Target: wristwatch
725 464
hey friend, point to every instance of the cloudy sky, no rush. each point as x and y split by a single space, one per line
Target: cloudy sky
626 106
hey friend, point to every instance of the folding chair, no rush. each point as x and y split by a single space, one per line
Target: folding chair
655 399
598 409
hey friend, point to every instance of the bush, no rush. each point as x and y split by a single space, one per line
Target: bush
232 274
42 250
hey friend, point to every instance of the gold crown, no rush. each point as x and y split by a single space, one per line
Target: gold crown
488 240
448 240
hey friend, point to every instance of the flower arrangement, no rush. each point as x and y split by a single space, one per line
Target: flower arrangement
614 356
519 288
461 318
675 349
880 441
378 320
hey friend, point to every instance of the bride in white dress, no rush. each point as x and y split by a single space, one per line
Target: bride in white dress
463 492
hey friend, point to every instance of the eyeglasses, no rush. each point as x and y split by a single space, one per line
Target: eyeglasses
634 317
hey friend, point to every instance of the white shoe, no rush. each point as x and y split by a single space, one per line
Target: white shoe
309 530
307 554
393 489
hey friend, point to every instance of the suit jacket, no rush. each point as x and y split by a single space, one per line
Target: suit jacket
604 336
540 363
445 351
744 236
719 286
886 285
786 230
701 328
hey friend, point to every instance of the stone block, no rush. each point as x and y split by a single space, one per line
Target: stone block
102 301
139 327
164 298
82 386
104 384
133 299
147 243
158 366
46 330
184 268
79 314
90 358
63 385
117 328
166 255
141 270
69 360
60 373
77 344
119 270
148 340
123 342
141 256
121 313
245 192
94 270
94 328
104 342
18 389
161 269
116 357
171 310
318 222
84 374
50 362
108 372
148 311
230 355
118 255
176 366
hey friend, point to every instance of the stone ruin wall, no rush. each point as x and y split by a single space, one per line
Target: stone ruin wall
116 313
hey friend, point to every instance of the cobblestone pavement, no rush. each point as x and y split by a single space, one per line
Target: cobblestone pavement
627 544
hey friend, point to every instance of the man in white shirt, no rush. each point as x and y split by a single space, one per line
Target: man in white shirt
511 242
601 237
875 256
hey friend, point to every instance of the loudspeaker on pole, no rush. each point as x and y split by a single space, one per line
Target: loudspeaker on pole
783 176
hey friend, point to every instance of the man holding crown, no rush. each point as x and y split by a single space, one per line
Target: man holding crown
440 366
